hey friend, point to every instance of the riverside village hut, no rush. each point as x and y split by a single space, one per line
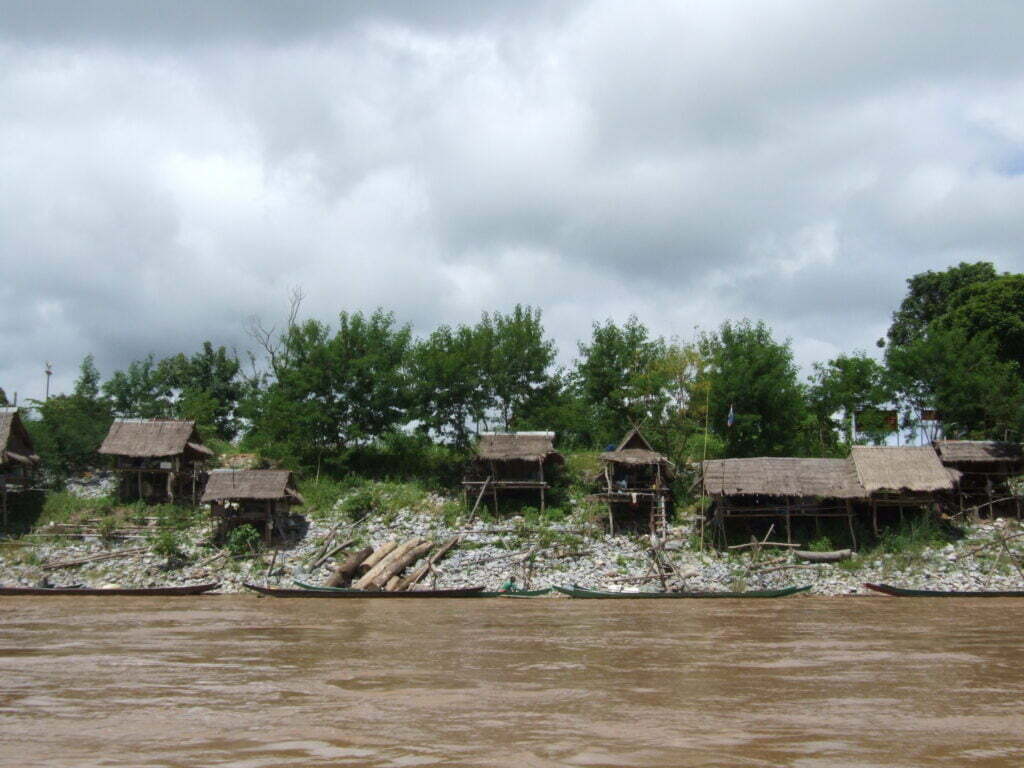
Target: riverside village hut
781 488
258 497
984 469
511 462
635 483
156 460
900 477
18 459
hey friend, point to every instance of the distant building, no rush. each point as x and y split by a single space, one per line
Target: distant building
157 461
635 483
511 462
258 497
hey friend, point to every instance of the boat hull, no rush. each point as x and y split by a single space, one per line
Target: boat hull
334 592
195 589
523 593
593 594
888 589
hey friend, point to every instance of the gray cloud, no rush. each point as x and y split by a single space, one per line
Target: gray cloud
168 169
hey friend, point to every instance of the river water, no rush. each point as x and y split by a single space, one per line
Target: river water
243 681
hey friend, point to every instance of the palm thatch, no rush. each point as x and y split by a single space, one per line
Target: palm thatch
634 450
979 452
15 443
782 477
517 446
912 468
153 438
238 484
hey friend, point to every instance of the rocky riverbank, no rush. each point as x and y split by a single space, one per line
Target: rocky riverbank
986 557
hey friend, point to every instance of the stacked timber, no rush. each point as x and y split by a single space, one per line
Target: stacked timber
384 568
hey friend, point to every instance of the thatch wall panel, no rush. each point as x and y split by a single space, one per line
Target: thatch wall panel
887 468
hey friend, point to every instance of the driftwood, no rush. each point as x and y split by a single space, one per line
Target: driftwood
325 544
379 554
334 550
370 577
93 559
796 567
400 563
824 557
424 569
761 544
342 575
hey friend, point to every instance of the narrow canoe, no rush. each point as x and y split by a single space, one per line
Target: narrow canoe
194 589
593 594
887 589
358 593
514 593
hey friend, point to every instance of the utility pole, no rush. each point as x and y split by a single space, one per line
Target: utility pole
49 373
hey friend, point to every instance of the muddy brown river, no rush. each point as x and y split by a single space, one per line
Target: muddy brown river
244 681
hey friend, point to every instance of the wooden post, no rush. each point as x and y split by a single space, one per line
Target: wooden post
789 528
849 520
268 526
540 465
874 516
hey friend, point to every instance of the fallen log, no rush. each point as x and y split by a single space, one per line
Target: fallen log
424 569
762 544
93 559
378 554
334 550
342 575
370 577
401 562
824 557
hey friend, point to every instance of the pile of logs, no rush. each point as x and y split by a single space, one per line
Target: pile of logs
384 568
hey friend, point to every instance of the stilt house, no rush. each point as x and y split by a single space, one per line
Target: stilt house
511 461
635 483
984 468
780 489
900 478
157 461
18 459
259 497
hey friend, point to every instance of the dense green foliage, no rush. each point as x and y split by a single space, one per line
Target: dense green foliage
366 398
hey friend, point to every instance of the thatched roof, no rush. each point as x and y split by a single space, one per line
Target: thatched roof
979 452
634 449
15 443
517 446
143 438
234 484
910 468
799 478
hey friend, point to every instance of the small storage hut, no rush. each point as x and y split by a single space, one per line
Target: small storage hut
897 477
157 460
511 461
259 497
984 468
18 459
782 488
635 483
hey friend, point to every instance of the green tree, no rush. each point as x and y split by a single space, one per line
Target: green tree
929 296
995 307
140 391
755 376
619 377
848 384
518 362
209 387
70 428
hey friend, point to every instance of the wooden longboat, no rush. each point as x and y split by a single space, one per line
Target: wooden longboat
508 593
362 593
888 589
593 594
194 589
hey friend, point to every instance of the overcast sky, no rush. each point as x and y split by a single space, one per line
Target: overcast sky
169 169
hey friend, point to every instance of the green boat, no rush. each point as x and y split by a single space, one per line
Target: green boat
888 589
509 593
593 594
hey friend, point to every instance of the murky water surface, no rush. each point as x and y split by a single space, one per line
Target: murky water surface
241 681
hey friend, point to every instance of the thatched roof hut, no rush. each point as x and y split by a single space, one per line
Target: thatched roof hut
15 443
634 450
782 477
518 446
976 452
255 484
153 438
900 469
